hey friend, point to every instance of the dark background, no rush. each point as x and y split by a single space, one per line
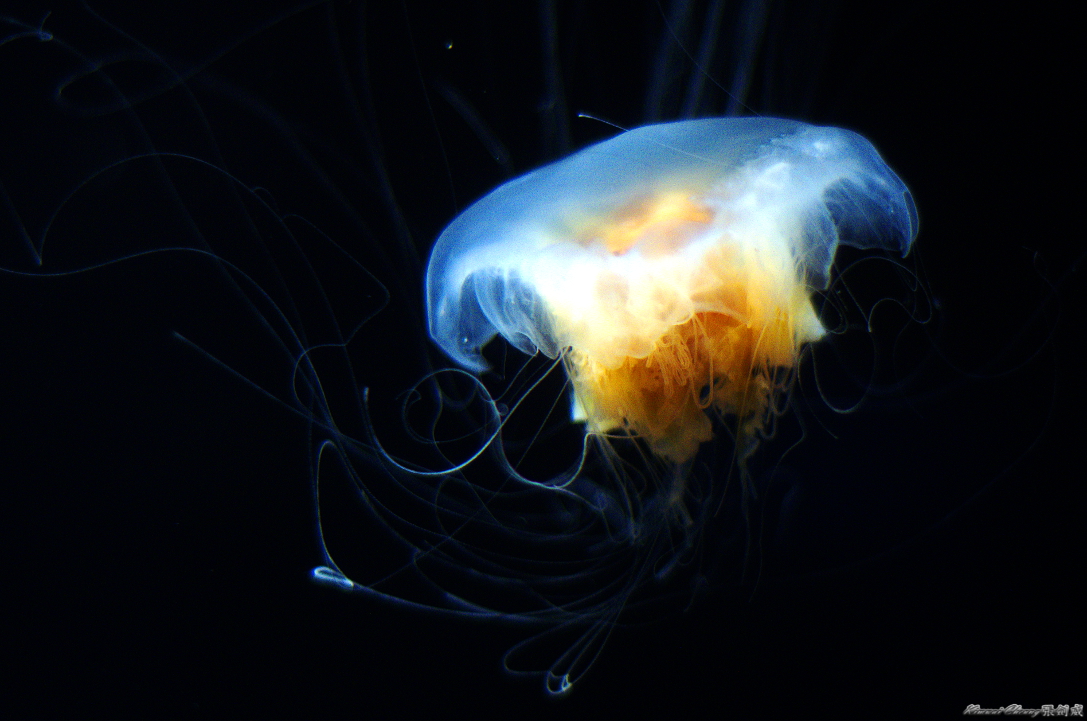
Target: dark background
158 509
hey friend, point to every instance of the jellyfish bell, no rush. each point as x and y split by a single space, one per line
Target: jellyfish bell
671 268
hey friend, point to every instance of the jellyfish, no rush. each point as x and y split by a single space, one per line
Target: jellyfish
671 268
244 396
659 285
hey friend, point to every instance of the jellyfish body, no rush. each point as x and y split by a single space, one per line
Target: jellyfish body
671 267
